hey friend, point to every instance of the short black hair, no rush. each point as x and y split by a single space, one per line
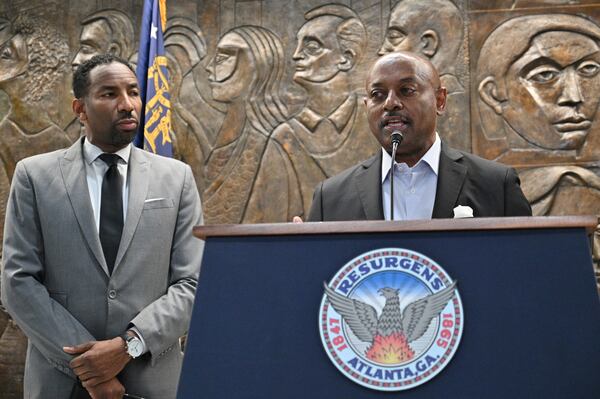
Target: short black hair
81 77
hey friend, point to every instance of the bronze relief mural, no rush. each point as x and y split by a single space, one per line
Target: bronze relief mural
267 95
435 29
535 106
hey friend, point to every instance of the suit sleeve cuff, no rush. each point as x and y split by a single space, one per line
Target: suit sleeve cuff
141 337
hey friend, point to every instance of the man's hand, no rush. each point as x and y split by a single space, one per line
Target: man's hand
297 219
98 361
111 389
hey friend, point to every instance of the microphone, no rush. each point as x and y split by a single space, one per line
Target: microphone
397 138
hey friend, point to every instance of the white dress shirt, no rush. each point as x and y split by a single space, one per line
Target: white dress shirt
95 169
414 188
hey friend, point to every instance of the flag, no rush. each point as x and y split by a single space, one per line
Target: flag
155 133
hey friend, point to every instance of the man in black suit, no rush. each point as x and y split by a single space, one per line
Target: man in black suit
430 179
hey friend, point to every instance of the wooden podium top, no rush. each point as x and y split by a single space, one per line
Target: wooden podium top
590 223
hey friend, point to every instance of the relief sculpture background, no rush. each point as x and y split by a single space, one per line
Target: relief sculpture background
267 95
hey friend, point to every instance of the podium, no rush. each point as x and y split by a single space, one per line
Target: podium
531 308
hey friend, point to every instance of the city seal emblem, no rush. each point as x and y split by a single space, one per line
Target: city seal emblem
391 319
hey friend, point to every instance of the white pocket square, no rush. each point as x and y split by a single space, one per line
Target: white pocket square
462 211
153 200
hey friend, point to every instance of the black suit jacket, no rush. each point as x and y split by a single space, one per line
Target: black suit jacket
489 188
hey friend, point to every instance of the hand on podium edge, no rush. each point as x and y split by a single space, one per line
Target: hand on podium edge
297 219
98 361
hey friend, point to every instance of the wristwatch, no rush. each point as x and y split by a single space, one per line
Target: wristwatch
133 345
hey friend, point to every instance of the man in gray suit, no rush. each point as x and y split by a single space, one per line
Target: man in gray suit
404 94
99 262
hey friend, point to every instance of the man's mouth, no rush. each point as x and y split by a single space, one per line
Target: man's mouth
128 124
572 124
396 122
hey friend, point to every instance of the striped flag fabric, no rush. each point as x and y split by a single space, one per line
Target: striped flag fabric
155 134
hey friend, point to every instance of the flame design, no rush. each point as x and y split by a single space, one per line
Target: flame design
390 349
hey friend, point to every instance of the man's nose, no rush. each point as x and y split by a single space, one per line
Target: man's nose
298 54
392 101
385 48
570 91
126 103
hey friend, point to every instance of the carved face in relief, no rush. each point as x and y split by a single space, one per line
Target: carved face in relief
553 90
431 28
318 54
13 58
230 71
95 39
401 34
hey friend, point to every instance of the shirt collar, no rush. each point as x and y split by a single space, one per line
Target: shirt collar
431 158
92 152
339 117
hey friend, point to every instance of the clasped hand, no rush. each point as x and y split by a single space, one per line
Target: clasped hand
97 365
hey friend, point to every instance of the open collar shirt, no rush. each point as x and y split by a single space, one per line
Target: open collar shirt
414 188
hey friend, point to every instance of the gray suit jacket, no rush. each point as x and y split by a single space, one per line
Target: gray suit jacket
55 282
490 188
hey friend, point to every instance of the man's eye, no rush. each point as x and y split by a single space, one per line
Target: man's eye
87 49
543 75
407 91
395 36
377 95
588 68
312 47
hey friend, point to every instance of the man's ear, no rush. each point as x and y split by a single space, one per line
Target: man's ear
441 97
348 61
114 49
78 107
488 91
430 41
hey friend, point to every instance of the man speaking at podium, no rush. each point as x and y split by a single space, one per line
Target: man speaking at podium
100 265
404 98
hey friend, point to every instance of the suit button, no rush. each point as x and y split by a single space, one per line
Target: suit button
112 294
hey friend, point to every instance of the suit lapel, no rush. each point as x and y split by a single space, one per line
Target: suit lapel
73 172
368 185
451 177
138 188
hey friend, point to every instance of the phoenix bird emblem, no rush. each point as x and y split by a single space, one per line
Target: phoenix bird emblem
390 333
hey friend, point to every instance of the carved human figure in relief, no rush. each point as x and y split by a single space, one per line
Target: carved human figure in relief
34 73
245 74
196 118
330 132
434 29
538 79
106 31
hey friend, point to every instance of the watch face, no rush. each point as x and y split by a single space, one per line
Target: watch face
134 347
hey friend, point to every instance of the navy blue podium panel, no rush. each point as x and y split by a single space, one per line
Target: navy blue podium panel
531 316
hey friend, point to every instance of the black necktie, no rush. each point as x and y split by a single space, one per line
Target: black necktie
111 210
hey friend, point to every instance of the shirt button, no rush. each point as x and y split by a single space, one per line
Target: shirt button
112 294
412 190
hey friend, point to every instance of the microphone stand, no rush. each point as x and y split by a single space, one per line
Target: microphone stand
397 138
